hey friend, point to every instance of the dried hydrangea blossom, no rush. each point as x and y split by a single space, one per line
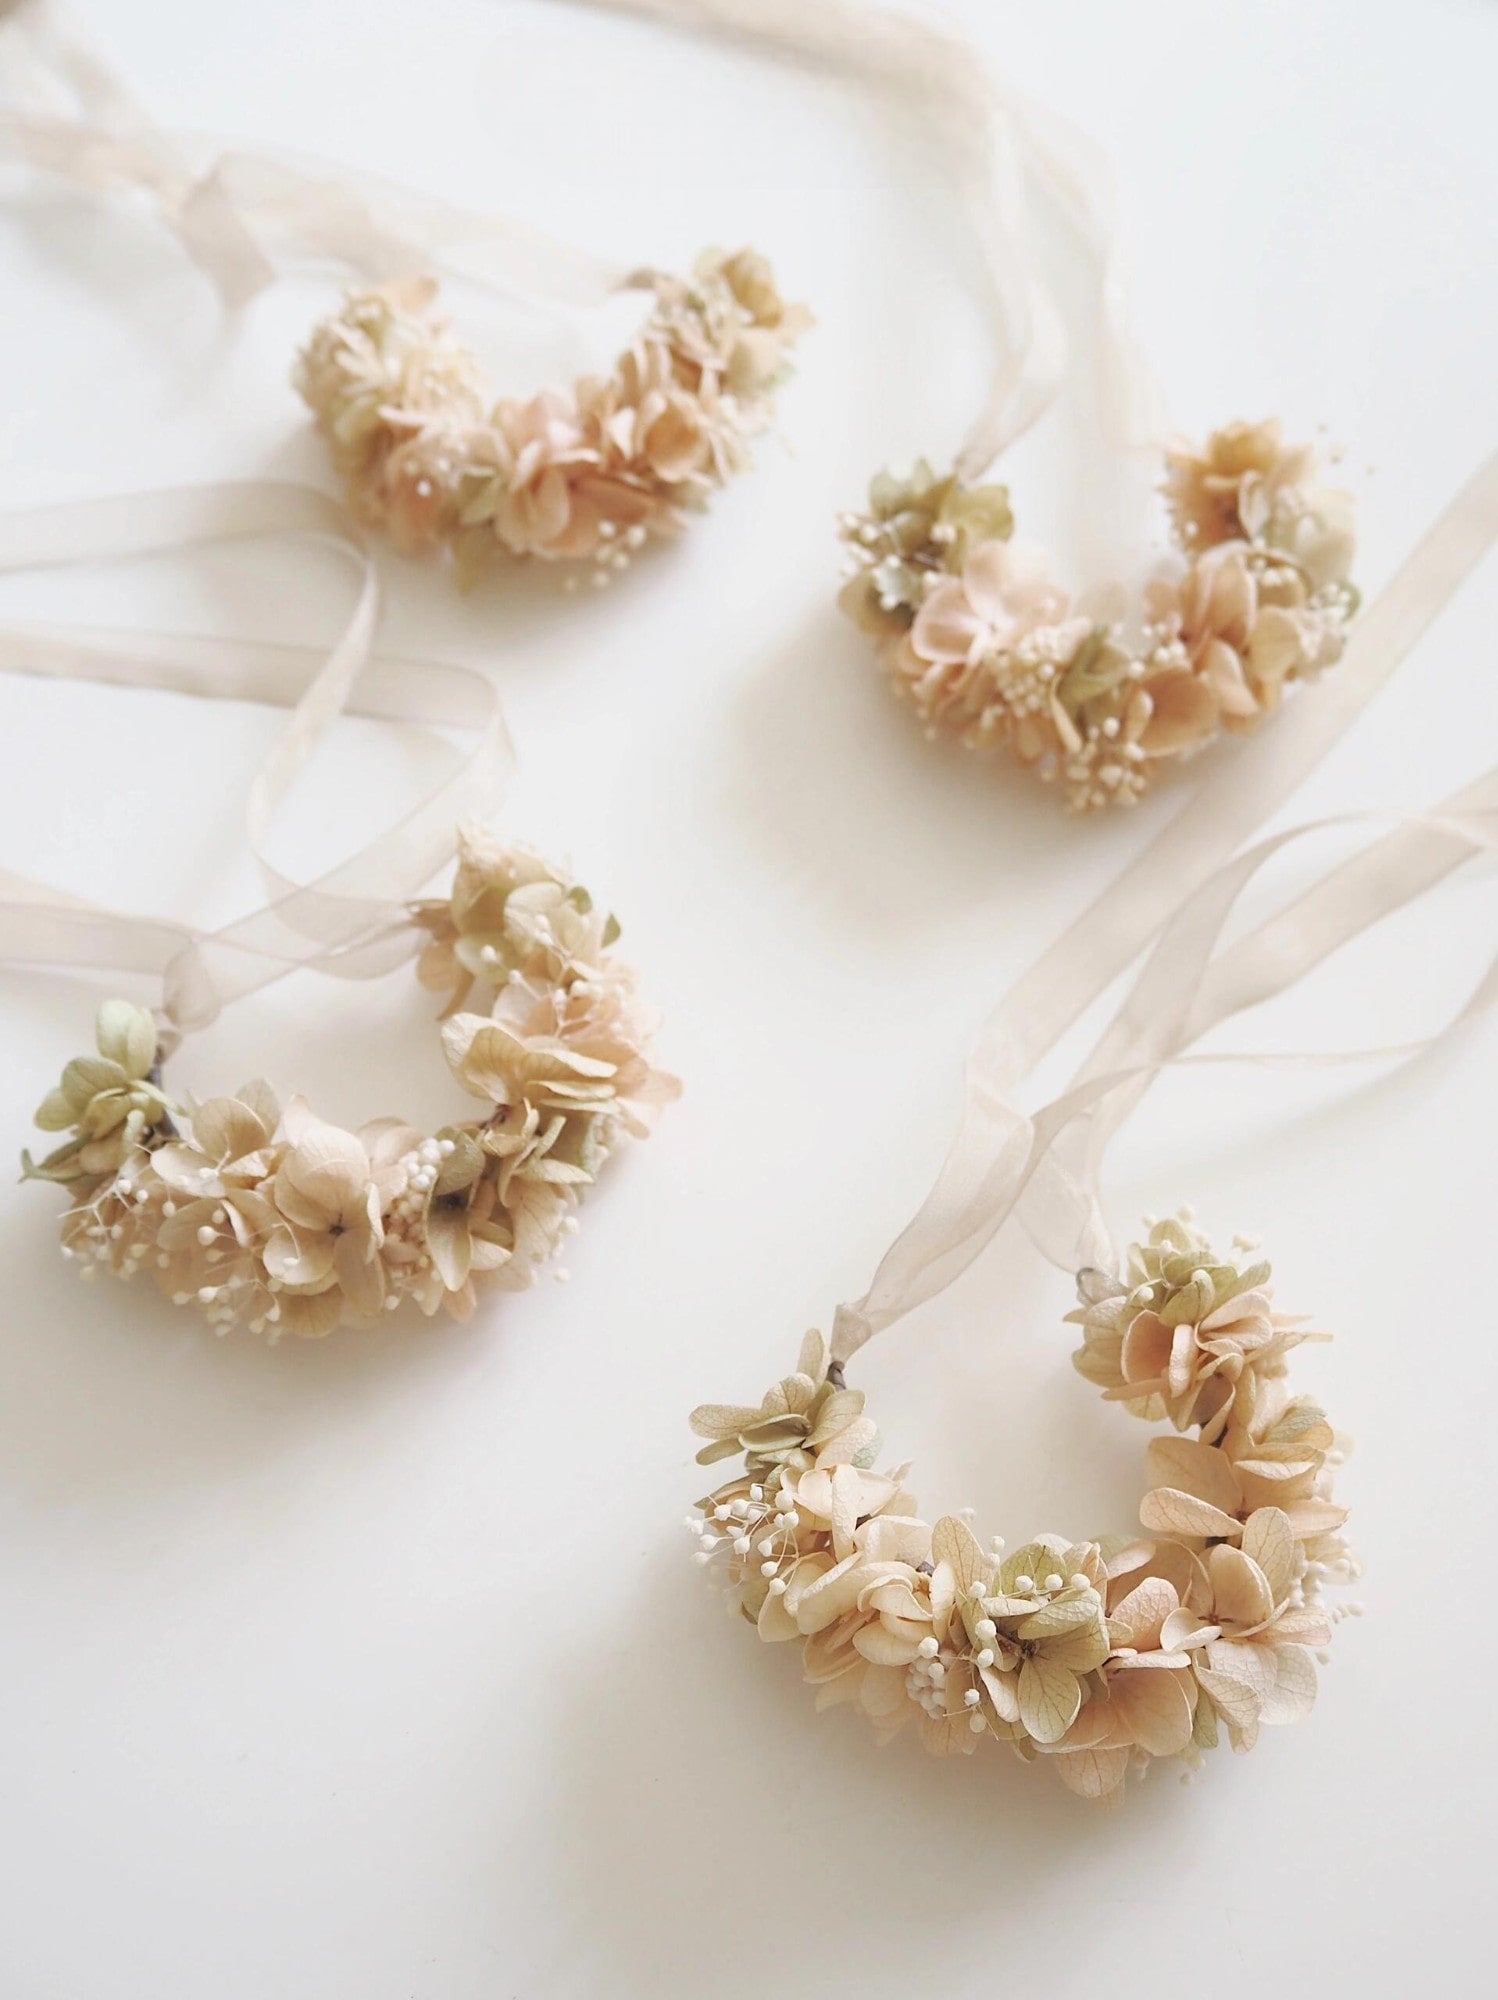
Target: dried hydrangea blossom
271 1218
586 474
986 648
1103 1656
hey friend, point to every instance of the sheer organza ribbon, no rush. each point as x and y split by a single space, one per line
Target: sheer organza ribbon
1181 891
352 920
244 215
1001 149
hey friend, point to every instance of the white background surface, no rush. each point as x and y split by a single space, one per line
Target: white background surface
376 1669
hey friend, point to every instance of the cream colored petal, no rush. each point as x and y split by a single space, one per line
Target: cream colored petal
840 1409
849 1444
1240 1592
1240 1661
895 1538
1312 1516
1293 1694
309 1318
298 1261
1049 1697
775 1624
1170 1512
830 1596
1194 1468
1183 1630
954 1543
1305 1627
885 1648
1003 1692
945 627
1270 1542
1082 1649
126 1034
449 1243
1156 1710
1143 1612
1235 1701
722 1420
361 1275
1095 1774
1061 1615
1145 1354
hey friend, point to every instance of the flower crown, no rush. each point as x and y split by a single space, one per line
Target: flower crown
588 473
1100 699
275 1220
1103 1656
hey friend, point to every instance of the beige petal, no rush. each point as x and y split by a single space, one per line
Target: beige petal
830 1597
1145 1354
1312 1516
1095 1774
1194 1468
775 1624
1293 1694
839 1410
1235 1701
1269 1540
1156 1710
1142 1613
1183 714
449 1243
1183 1631
1049 1697
1003 1692
1083 1649
954 1543
886 1648
1240 1592
1062 1614
895 1538
300 1262
1240 1661
1170 1512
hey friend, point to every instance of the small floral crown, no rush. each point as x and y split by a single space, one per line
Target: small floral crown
1102 1656
274 1220
1099 697
586 474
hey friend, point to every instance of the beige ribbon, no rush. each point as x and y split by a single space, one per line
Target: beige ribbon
243 215
995 140
353 919
1181 891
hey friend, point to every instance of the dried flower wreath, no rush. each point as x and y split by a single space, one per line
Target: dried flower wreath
1096 695
588 473
1101 1655
276 1220
269 1217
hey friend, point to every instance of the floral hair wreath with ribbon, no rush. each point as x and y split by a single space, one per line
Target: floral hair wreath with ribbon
1096 696
275 1220
1100 1655
585 474
267 1216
